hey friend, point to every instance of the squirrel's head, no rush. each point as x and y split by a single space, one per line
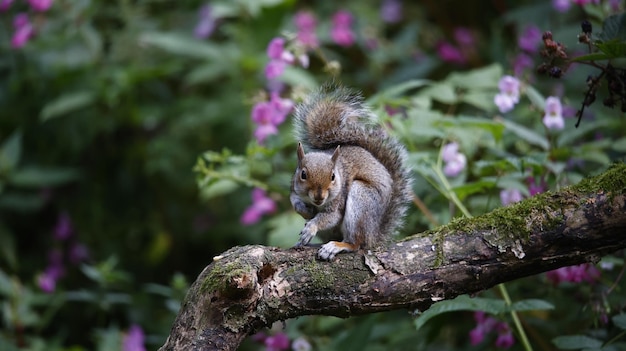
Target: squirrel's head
316 177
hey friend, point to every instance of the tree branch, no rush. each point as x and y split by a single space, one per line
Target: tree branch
248 288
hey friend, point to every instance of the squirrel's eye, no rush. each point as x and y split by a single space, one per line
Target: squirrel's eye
332 177
303 175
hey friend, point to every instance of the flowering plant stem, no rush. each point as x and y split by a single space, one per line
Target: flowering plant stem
449 193
516 321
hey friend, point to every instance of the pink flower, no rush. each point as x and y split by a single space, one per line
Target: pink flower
261 204
485 325
40 5
134 339
509 196
279 58
268 115
574 274
553 117
341 33
277 342
5 4
275 48
46 282
505 340
274 69
23 30
306 23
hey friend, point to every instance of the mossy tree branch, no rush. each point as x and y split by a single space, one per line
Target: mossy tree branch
250 287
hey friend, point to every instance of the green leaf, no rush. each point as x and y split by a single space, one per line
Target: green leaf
183 45
461 303
442 92
66 103
397 90
619 144
527 134
11 152
468 189
531 305
620 321
482 78
285 228
613 49
21 201
596 56
535 97
7 248
41 177
614 28
576 342
481 99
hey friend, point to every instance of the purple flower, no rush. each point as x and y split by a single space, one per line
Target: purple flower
24 30
522 62
553 117
206 24
530 39
505 340
509 196
391 11
535 188
450 53
134 339
509 93
40 5
46 282
277 342
63 229
5 4
486 325
261 204
341 33
561 5
306 24
510 86
455 161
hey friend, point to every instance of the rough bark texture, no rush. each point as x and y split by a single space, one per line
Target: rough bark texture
250 287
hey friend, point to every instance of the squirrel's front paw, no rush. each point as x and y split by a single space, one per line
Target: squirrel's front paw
307 233
330 249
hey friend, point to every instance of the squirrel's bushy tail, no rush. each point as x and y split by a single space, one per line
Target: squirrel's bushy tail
335 116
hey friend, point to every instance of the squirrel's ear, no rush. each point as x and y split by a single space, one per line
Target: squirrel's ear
300 152
335 154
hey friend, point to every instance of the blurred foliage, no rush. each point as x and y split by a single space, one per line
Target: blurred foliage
114 115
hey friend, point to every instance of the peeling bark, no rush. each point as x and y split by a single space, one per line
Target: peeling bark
248 288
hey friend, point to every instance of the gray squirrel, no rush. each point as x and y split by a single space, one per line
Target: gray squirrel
352 185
